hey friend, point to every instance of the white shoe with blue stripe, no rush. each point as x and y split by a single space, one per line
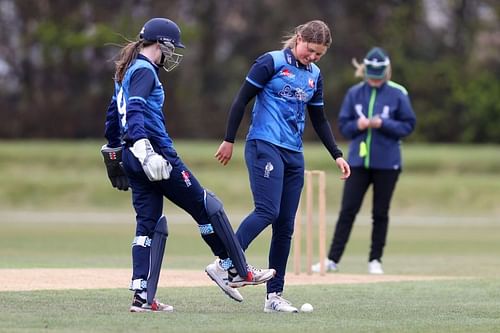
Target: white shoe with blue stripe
275 303
220 277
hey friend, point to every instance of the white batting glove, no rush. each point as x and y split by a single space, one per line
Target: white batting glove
154 165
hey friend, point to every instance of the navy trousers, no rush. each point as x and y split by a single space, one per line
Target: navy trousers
276 179
182 189
355 187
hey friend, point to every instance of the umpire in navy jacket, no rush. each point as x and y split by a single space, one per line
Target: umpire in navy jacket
375 115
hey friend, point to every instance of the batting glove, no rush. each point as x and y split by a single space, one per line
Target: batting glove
154 165
114 167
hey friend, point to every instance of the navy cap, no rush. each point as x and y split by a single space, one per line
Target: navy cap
376 63
162 30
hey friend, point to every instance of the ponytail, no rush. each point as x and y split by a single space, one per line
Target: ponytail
127 54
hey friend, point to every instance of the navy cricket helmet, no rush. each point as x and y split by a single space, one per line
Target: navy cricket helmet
376 63
168 36
162 30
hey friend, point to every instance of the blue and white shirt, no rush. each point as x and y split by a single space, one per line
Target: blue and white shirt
136 109
279 111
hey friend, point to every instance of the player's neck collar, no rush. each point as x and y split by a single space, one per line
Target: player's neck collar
142 57
291 60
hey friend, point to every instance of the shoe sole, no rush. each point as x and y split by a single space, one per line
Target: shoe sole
138 309
223 289
266 310
241 284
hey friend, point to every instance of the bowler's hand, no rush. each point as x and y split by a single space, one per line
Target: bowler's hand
224 153
344 168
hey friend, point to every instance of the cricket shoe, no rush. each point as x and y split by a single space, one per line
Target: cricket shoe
140 304
221 277
330 266
275 303
375 267
255 276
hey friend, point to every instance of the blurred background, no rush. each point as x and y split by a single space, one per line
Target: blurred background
56 60
56 69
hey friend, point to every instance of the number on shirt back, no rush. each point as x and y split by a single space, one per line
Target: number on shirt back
122 107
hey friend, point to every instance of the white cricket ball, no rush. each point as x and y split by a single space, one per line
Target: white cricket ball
306 307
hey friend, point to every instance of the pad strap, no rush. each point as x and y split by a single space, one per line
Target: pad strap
138 284
143 241
226 263
206 229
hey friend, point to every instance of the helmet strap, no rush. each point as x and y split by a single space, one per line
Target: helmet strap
162 60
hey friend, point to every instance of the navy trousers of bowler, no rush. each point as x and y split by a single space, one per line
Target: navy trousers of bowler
276 179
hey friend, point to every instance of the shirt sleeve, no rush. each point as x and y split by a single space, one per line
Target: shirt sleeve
324 130
260 73
348 118
142 83
245 95
112 130
404 122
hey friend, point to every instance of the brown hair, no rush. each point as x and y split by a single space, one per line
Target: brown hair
316 32
127 55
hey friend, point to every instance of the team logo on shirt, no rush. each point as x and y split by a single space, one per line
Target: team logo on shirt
287 91
287 73
311 83
300 94
267 169
290 92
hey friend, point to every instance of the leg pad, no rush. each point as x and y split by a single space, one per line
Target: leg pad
157 251
223 229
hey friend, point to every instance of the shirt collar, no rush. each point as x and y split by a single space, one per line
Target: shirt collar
142 57
377 88
291 60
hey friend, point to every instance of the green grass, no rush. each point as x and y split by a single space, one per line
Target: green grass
468 302
69 175
440 249
439 306
58 210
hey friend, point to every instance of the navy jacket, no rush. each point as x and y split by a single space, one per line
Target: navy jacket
376 148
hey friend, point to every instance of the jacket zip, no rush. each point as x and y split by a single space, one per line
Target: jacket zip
373 96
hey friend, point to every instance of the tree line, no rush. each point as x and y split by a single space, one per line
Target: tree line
56 60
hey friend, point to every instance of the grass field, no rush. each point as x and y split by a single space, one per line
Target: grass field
57 210
437 179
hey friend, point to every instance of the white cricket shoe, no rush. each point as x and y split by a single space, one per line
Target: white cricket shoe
255 276
139 304
330 266
275 303
375 267
220 277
